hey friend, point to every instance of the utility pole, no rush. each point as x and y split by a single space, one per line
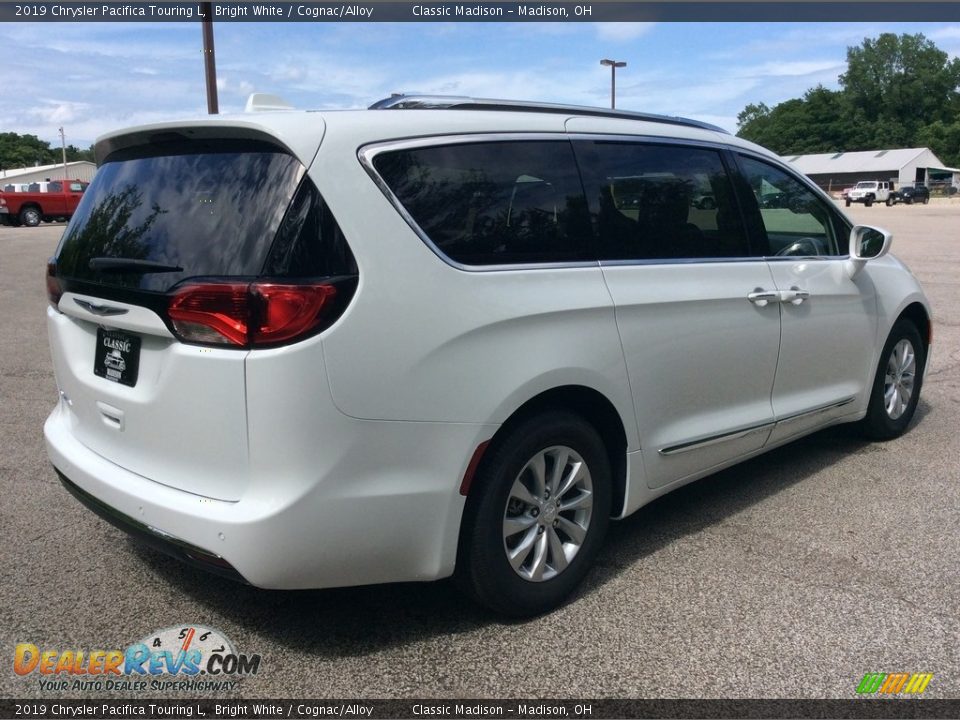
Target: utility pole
613 65
63 146
209 59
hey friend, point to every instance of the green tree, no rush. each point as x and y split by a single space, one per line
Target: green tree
819 122
902 83
898 91
19 151
944 139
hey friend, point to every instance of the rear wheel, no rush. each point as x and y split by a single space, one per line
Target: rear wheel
896 387
538 516
31 216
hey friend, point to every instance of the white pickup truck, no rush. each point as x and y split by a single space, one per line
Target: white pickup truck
870 191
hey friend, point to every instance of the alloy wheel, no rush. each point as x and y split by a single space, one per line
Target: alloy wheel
898 383
548 513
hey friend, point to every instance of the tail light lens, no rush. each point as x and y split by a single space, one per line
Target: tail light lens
54 288
251 315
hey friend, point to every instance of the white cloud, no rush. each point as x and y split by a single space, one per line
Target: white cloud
951 32
792 68
58 111
622 32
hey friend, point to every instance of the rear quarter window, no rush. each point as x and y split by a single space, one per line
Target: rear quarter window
493 203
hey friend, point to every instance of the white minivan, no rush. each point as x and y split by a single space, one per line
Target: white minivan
449 336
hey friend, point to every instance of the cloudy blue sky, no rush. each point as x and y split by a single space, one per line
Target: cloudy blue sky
92 78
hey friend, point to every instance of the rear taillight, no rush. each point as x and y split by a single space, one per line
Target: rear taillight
251 315
54 289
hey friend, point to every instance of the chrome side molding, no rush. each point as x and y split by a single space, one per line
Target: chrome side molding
744 432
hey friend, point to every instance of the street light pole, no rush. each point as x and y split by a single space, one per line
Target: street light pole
63 146
613 65
209 59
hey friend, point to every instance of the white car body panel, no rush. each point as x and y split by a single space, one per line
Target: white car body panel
669 316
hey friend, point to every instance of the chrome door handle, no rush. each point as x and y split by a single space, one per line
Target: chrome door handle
794 296
761 297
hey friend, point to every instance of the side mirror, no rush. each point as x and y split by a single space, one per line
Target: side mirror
866 243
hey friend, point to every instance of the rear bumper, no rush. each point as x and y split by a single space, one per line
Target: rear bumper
387 511
157 539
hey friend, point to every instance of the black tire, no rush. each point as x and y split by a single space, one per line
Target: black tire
848 203
869 201
926 200
483 568
31 216
879 423
889 202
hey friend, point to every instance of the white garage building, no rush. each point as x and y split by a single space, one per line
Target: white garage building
906 166
77 170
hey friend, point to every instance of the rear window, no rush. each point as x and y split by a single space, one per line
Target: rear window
210 209
494 203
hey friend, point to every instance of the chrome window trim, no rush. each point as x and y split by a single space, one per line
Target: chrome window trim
366 154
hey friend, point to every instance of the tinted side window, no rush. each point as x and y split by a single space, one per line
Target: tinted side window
493 203
795 220
660 201
309 241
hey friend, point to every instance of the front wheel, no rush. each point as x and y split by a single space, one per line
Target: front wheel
848 202
537 515
896 386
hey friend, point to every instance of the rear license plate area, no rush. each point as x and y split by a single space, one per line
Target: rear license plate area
117 357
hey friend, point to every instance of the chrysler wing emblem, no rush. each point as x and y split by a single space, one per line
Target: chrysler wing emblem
102 310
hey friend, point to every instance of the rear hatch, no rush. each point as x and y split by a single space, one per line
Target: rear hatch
184 256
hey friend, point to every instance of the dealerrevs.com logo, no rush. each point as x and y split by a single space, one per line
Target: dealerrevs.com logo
894 683
188 658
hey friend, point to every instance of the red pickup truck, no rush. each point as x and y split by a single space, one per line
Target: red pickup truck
30 208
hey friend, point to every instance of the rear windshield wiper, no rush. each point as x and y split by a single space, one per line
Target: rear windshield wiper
132 265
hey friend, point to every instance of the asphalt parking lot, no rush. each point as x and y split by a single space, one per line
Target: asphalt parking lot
789 576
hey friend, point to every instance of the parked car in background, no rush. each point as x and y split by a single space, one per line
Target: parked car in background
455 337
918 193
704 201
56 201
774 200
868 192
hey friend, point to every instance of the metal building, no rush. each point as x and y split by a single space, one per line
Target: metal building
77 170
905 166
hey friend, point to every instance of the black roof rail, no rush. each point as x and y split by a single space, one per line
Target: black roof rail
400 101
